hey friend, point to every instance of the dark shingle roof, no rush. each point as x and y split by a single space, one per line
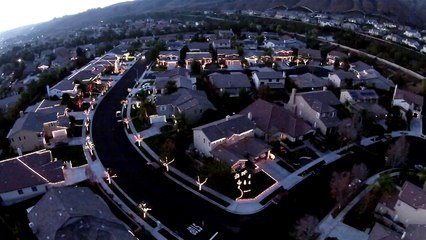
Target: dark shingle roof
269 116
409 97
320 101
224 128
62 213
185 99
308 80
32 121
413 196
29 170
235 80
269 75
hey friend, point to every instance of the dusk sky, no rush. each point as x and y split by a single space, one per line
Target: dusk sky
17 13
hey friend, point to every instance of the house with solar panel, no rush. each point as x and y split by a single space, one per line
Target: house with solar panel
231 140
359 100
29 176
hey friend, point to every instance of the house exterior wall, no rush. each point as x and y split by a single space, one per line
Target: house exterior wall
345 97
409 215
202 143
12 197
258 82
304 111
335 80
194 114
27 141
165 110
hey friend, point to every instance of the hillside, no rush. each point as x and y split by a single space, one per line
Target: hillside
412 12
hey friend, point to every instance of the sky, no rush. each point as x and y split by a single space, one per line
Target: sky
17 13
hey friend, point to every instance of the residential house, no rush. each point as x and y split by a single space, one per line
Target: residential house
334 55
408 207
394 38
308 82
412 34
273 44
272 79
342 79
221 44
256 57
381 232
367 75
161 83
250 44
89 72
231 83
228 56
231 140
190 102
319 108
31 130
283 55
198 46
360 100
202 57
8 102
225 34
75 213
411 43
28 176
311 56
423 50
407 100
275 123
175 45
168 59
290 41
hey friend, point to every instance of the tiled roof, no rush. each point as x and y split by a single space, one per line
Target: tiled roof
29 170
237 151
380 232
32 121
320 101
269 116
409 97
75 213
308 80
235 80
269 75
413 196
185 99
225 128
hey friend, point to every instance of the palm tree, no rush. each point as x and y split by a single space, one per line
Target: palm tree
385 184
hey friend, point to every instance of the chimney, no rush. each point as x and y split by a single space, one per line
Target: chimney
227 117
32 227
21 113
324 88
292 96
19 151
249 116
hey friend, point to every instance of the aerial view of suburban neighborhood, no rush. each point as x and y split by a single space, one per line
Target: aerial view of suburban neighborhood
216 120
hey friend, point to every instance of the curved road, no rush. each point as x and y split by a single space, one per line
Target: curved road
172 205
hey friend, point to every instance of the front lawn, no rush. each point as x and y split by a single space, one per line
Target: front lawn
74 154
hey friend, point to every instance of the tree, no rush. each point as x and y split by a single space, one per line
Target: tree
171 87
359 172
397 153
306 228
349 130
168 149
196 67
339 185
385 184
